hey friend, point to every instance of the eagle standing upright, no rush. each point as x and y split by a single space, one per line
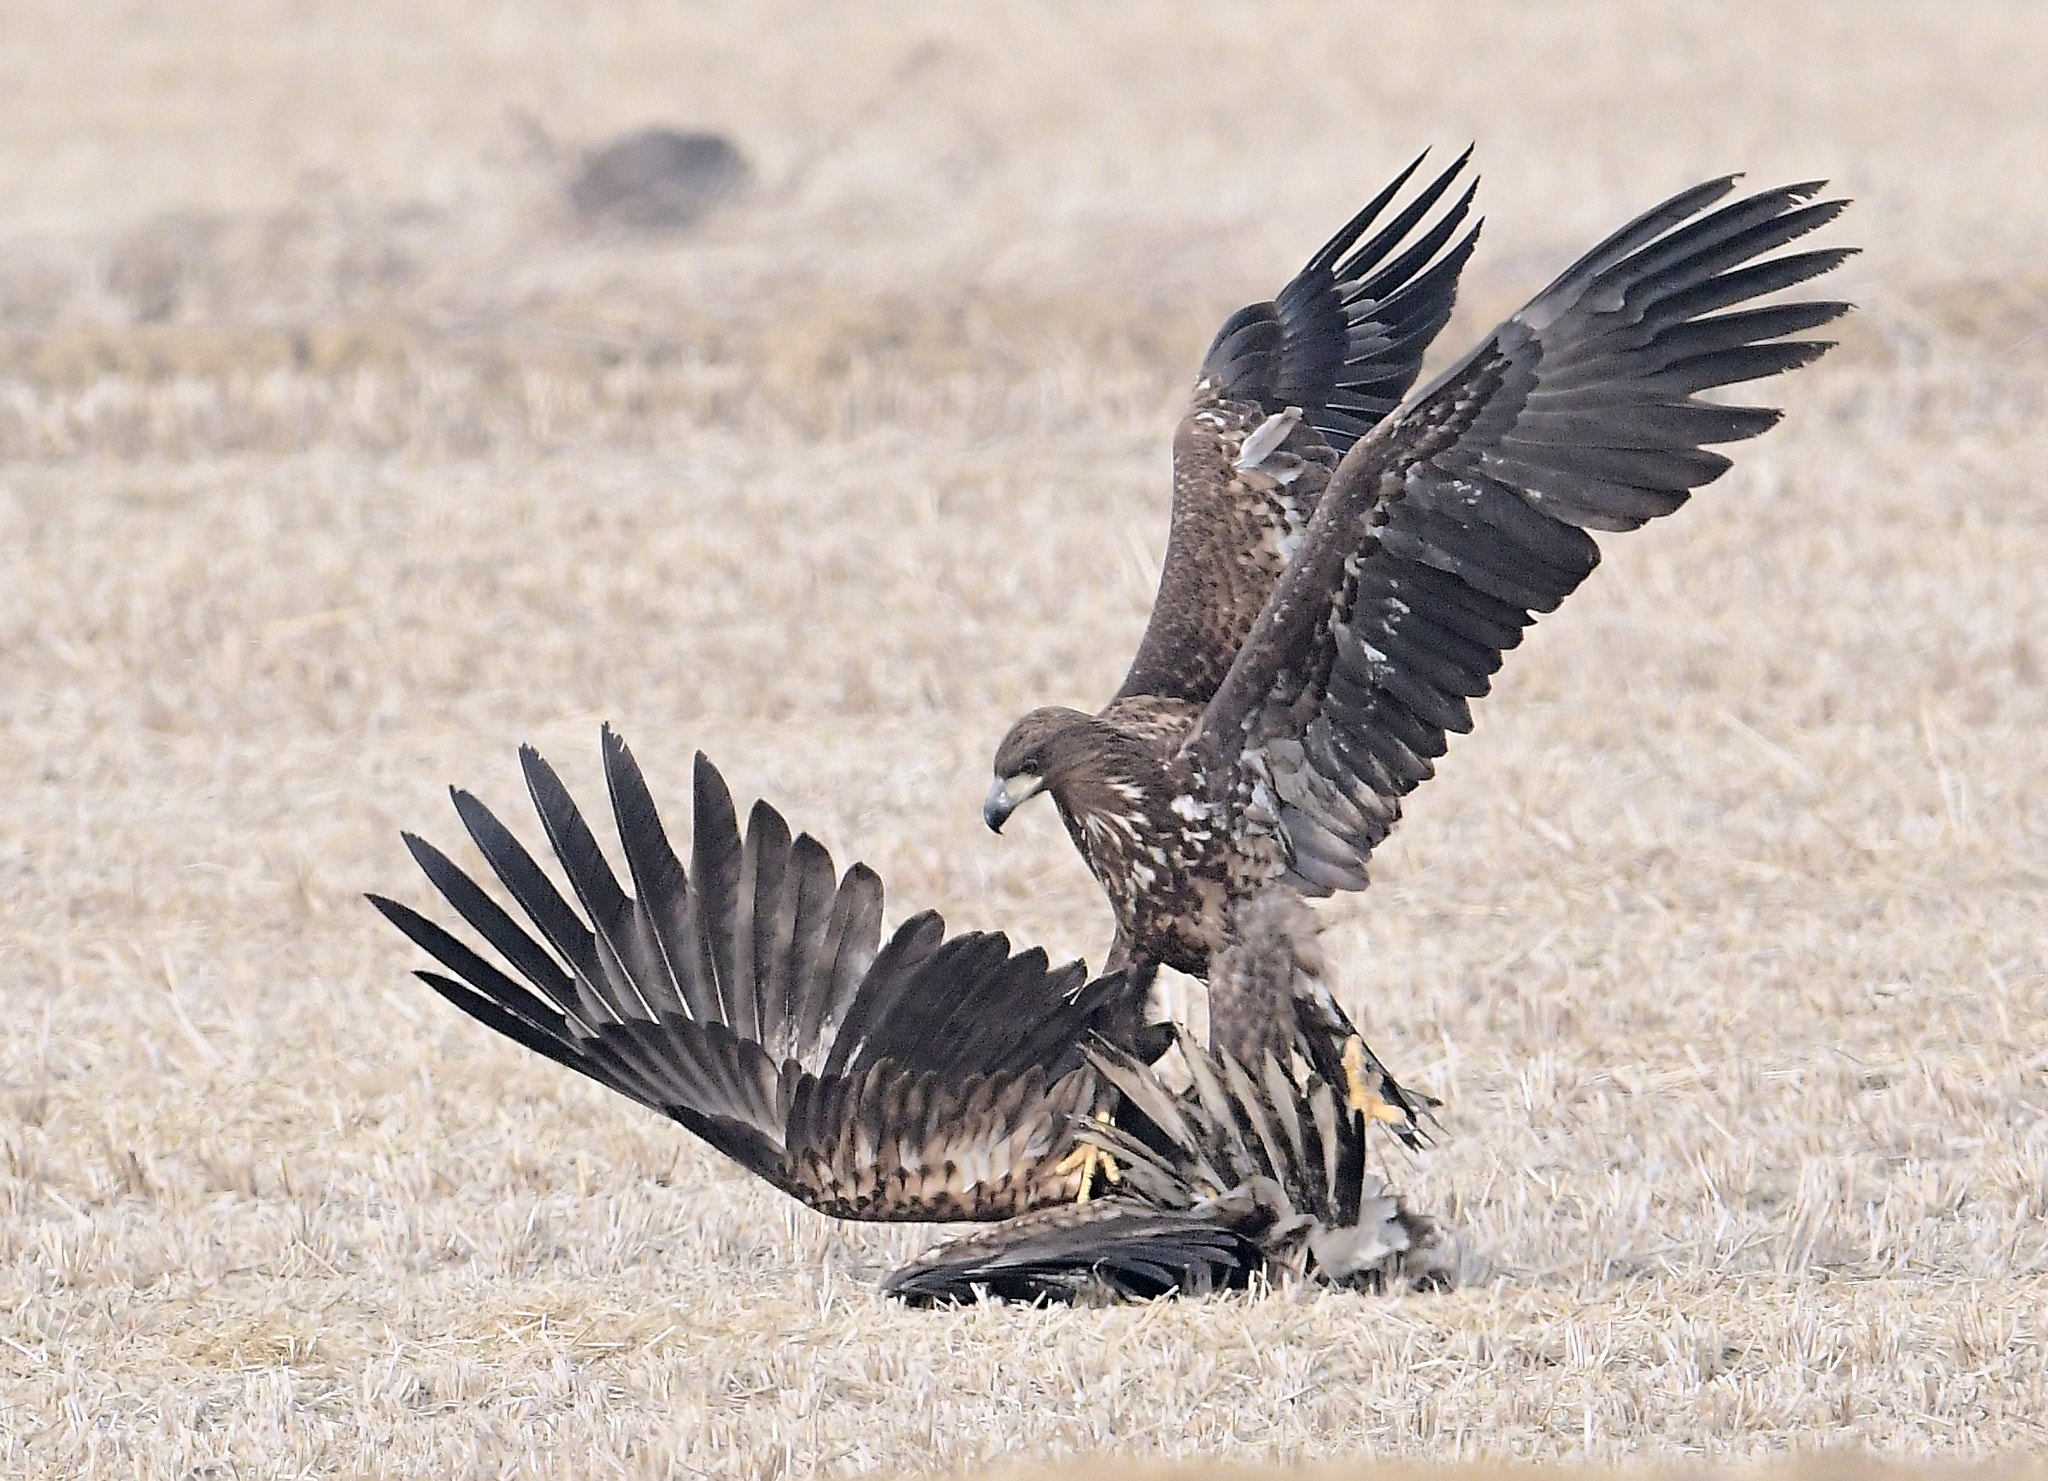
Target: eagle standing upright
1345 568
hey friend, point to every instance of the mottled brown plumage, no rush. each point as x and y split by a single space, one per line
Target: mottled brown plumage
1330 355
1319 631
1285 388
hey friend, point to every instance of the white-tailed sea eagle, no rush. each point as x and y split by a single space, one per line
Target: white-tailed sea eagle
1346 568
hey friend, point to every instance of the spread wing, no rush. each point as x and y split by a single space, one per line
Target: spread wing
752 999
1467 512
1286 387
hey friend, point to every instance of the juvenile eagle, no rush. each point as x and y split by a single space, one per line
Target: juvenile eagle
927 1078
1344 573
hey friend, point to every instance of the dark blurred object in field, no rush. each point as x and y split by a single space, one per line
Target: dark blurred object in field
658 179
153 267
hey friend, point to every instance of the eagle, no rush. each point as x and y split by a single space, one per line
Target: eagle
751 997
1348 563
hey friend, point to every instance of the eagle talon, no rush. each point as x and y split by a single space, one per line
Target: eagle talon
1364 1084
1090 1159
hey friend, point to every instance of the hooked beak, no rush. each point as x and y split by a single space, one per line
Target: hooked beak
1005 795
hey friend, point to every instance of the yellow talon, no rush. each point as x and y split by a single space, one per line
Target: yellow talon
1365 1097
1090 1159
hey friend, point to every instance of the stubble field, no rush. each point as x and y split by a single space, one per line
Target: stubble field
339 459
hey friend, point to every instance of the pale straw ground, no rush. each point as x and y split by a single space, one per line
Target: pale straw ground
340 462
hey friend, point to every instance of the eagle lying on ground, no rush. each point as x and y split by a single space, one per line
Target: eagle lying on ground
1343 574
751 998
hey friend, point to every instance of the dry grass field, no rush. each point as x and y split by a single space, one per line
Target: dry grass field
338 459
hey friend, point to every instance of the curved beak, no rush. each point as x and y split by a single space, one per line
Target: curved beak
1005 795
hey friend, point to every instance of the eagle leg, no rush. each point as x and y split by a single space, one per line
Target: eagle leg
1089 1160
1124 1025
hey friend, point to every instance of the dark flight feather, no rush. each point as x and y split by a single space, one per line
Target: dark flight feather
1350 328
1462 516
819 1045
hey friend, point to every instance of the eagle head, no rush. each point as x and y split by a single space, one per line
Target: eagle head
1050 750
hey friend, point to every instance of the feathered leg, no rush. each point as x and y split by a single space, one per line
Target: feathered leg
1124 1025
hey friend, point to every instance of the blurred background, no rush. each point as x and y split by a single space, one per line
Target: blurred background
243 225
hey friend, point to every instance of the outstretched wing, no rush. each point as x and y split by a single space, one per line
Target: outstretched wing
1467 512
1344 340
752 999
1286 387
